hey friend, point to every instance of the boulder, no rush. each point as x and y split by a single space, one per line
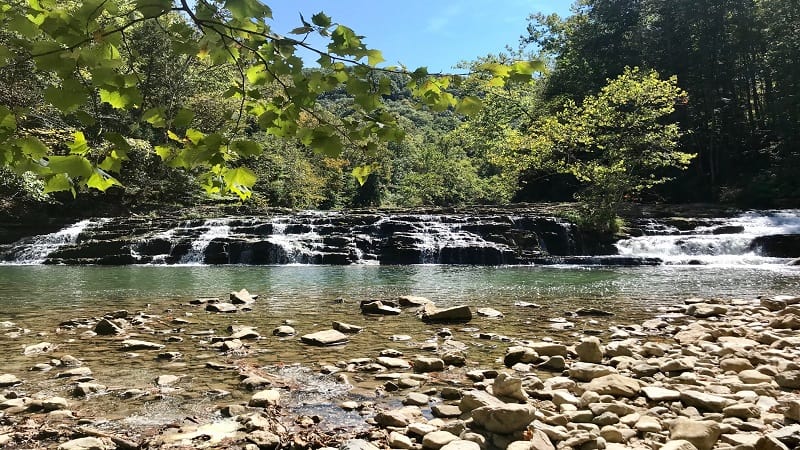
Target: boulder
461 444
474 399
659 394
777 245
325 338
504 419
391 419
438 439
678 445
703 434
284 331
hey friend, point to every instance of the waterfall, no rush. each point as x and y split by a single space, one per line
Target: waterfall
36 250
214 229
718 241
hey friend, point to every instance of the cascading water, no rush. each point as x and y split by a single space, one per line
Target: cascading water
298 248
37 250
727 241
215 229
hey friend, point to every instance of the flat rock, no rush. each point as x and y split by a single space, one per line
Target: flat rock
87 443
509 387
456 314
490 313
438 439
504 419
461 444
75 372
167 380
8 379
393 363
358 444
614 384
242 297
411 301
347 328
587 371
325 338
398 440
789 379
221 307
392 419
704 401
659 394
134 344
473 399
35 349
678 445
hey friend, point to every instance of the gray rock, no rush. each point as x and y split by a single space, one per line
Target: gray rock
770 443
55 403
589 350
221 307
490 313
242 297
347 328
705 310
678 445
283 331
587 371
412 301
456 314
87 443
549 349
445 411
704 401
504 419
391 419
393 363
265 398
789 379
167 380
519 354
658 394
106 327
325 338
428 364
8 379
378 308
703 434
357 444
438 439
35 349
265 440
461 444
474 399
507 386
616 385
245 333
134 344
75 372
418 399
85 389
788 435
397 440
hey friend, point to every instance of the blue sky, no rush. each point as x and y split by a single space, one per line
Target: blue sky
433 33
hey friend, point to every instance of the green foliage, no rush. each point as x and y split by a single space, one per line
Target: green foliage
617 143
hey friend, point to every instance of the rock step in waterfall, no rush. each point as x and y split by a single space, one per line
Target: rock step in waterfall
398 238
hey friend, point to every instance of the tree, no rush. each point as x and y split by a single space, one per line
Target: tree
83 48
617 143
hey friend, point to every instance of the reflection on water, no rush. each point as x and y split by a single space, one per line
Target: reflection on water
30 288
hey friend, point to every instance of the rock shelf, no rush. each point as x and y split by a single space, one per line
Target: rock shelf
710 375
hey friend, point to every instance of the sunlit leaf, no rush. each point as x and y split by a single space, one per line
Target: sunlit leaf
57 183
469 105
8 123
361 173
32 147
73 165
155 117
78 146
69 97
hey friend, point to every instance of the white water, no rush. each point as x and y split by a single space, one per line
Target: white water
36 251
215 228
298 248
701 246
435 235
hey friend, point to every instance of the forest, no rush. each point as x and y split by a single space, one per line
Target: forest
149 105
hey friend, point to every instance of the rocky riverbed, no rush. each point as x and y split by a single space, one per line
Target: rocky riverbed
708 374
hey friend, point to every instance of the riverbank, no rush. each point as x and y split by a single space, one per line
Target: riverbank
716 373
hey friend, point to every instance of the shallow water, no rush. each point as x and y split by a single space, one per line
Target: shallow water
39 298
